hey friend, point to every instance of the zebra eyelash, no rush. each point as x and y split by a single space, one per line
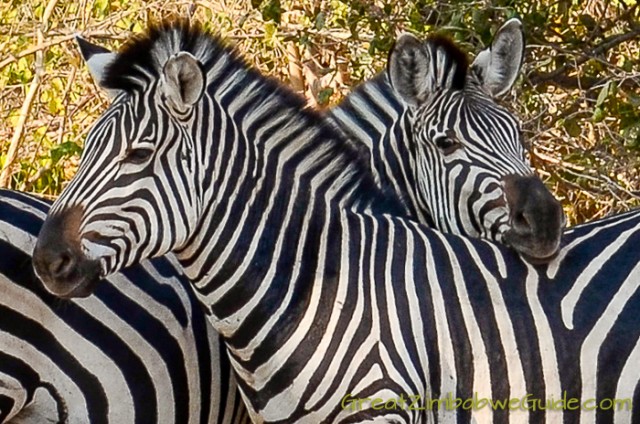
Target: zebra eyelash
447 142
138 156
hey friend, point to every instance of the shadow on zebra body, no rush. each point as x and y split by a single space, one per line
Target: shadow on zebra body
140 351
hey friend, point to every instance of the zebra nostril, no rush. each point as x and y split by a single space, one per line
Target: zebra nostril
521 222
62 265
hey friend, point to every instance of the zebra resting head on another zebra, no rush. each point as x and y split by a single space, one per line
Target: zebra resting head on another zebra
324 297
437 138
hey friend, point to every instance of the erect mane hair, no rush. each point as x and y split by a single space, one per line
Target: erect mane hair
457 56
144 56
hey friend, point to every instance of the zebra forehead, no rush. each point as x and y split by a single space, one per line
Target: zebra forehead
452 58
466 107
144 55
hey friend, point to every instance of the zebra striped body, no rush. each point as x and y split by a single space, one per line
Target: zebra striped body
321 291
140 351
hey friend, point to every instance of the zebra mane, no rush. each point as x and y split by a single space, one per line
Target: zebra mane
143 57
454 54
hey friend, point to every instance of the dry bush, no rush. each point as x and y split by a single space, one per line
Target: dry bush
579 98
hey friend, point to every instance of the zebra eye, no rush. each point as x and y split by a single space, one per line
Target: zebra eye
138 156
446 144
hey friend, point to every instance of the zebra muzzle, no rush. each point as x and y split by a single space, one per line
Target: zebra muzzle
536 218
58 260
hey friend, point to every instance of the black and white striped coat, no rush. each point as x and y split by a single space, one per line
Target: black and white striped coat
320 290
139 351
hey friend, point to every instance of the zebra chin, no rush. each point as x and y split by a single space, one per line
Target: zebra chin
532 249
68 278
58 259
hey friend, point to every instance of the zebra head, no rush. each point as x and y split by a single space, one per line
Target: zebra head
471 167
97 226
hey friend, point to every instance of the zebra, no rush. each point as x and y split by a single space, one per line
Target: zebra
17 405
451 154
497 197
139 351
330 302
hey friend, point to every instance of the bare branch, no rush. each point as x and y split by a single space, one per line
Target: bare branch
560 77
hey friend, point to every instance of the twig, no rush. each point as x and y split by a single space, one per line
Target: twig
295 68
35 177
12 154
26 186
558 162
37 48
601 48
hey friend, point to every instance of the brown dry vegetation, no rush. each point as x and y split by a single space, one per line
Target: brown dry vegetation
579 98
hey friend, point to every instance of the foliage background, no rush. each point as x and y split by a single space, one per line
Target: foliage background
578 98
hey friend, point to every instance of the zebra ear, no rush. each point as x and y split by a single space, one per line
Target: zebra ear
183 80
97 59
417 69
498 66
408 64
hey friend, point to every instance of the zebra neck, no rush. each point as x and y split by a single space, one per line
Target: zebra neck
248 269
285 174
377 122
